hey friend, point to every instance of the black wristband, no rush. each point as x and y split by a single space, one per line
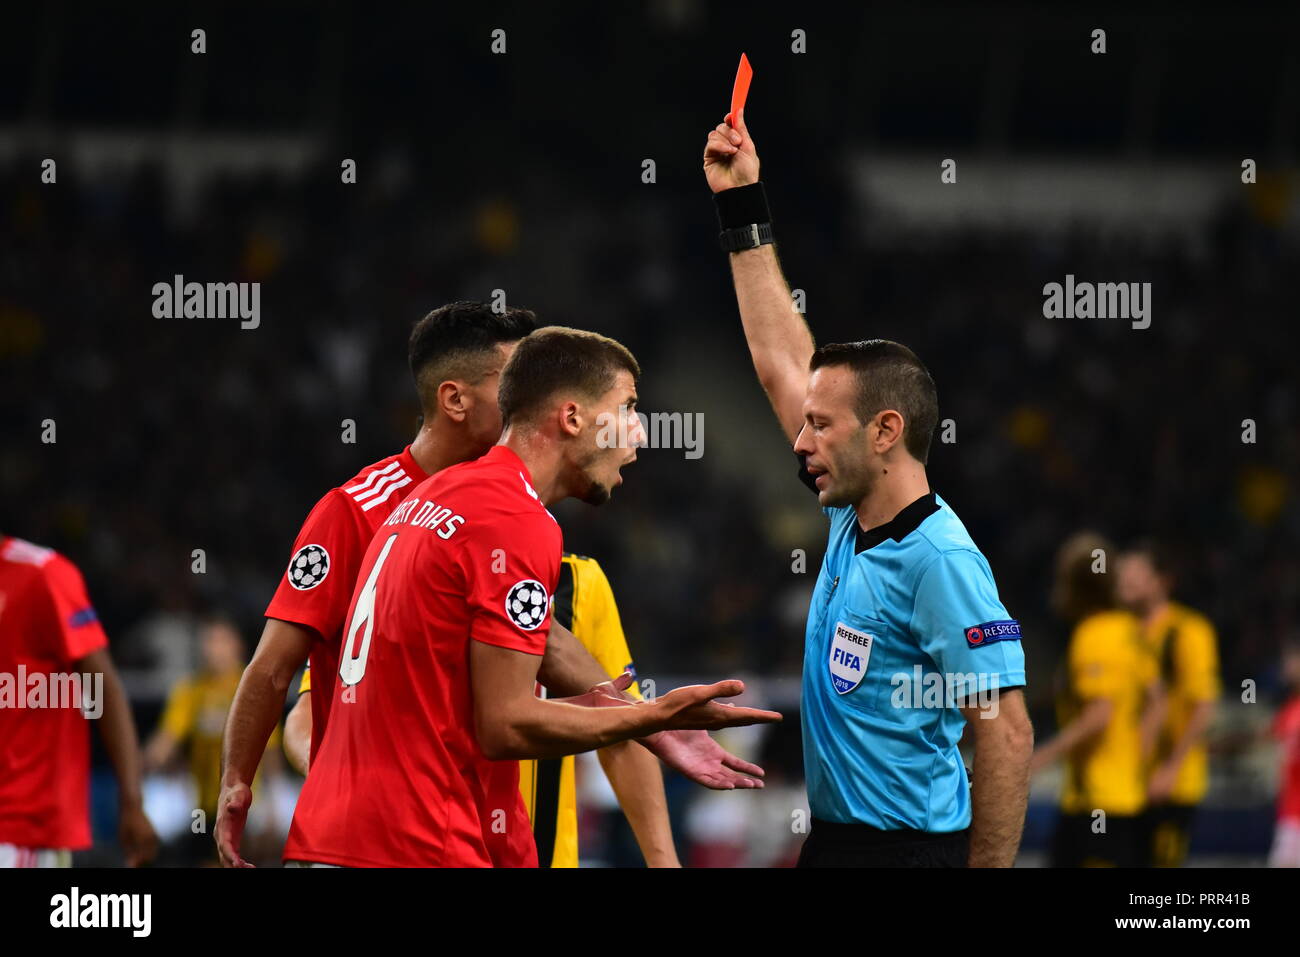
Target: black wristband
743 217
746 237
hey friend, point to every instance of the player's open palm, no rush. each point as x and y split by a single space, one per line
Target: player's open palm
730 157
694 708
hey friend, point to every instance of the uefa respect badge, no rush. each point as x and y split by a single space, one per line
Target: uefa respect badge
991 631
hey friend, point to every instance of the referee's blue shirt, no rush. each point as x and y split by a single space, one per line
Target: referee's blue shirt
904 618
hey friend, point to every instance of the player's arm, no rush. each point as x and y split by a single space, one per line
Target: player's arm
160 749
780 342
632 771
175 727
257 706
1155 707
1004 740
297 733
1099 673
568 668
512 722
1090 722
1196 675
1165 776
117 731
634 774
81 642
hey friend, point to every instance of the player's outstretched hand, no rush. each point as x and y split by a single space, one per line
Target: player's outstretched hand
730 157
693 708
700 758
690 753
232 812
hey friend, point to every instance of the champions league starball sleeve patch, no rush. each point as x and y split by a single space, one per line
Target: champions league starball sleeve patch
308 567
527 603
991 631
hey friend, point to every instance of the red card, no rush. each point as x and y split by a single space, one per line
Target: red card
744 73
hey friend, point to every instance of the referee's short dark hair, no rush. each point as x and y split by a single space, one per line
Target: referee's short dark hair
890 376
555 358
457 341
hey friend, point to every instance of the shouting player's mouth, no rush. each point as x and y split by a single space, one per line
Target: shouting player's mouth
618 473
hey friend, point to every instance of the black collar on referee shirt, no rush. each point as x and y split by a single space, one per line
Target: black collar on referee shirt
901 525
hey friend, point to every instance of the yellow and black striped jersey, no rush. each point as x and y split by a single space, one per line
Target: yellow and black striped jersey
584 603
1183 642
195 715
1107 659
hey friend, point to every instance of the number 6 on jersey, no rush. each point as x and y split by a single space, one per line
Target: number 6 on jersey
353 669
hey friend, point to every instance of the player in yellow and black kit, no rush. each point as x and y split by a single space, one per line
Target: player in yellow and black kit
584 603
1182 643
1108 690
194 718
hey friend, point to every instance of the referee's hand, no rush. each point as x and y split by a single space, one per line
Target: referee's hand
730 157
693 708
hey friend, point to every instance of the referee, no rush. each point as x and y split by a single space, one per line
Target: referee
907 643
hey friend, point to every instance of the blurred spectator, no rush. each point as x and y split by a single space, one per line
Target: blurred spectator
193 722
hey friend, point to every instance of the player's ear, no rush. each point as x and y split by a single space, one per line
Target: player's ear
571 417
453 400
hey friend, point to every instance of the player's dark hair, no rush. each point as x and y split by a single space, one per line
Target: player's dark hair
1084 581
457 341
556 358
890 376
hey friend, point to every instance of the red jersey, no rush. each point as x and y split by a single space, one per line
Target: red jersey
327 554
47 625
400 780
1286 728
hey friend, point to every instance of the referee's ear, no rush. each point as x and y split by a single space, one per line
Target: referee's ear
886 428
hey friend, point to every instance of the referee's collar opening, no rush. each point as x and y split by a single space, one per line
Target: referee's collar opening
901 525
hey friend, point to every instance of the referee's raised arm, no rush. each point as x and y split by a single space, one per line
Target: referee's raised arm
779 340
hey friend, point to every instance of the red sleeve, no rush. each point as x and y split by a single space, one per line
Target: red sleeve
1286 723
75 627
511 568
316 587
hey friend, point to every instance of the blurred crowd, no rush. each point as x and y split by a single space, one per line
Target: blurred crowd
174 459
186 452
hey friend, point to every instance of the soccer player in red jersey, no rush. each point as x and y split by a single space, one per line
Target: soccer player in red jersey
55 672
447 630
456 356
1286 730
